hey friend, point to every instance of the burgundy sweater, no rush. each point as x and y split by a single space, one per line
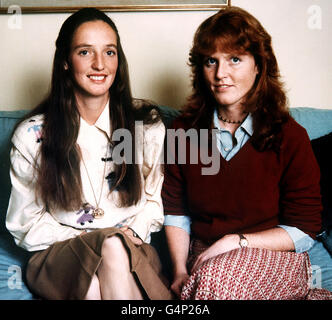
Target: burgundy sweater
252 192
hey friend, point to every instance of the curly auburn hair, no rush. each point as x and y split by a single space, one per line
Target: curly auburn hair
234 30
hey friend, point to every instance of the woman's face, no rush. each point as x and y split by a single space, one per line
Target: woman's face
230 77
93 59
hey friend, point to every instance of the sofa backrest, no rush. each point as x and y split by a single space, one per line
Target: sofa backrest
318 122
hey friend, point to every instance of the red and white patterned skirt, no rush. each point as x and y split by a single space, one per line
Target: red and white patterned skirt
251 274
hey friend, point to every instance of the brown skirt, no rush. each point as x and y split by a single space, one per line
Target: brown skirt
64 270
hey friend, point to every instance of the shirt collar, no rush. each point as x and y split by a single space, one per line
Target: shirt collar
103 122
246 125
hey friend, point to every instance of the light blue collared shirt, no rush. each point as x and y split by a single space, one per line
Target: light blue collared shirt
229 146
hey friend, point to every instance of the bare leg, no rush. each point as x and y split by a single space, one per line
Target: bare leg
94 290
115 279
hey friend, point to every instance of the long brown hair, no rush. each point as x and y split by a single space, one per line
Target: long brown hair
235 30
58 177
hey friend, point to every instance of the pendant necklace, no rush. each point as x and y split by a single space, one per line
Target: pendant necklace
97 211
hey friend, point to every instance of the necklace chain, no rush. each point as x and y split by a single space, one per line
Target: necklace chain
97 212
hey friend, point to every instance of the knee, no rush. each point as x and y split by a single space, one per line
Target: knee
113 250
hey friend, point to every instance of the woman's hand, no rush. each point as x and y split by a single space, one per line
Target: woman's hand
178 283
130 233
225 244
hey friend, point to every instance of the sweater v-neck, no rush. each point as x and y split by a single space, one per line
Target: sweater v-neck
238 156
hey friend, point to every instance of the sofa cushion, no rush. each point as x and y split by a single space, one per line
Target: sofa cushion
13 261
8 119
12 258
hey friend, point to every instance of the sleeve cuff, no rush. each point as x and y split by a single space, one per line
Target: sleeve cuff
182 222
150 219
302 242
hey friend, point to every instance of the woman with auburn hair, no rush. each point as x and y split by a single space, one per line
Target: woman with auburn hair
246 229
84 208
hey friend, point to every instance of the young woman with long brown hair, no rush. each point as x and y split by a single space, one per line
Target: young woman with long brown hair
239 227
84 199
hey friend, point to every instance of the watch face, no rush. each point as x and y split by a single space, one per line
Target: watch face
244 243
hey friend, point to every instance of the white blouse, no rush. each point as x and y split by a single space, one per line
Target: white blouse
35 228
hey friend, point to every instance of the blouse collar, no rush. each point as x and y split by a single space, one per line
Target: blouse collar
102 123
246 125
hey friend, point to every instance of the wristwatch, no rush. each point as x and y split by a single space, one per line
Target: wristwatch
243 241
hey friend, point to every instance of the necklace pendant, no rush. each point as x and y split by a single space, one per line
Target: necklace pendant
98 213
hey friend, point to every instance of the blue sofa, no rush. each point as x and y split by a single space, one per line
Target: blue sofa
318 123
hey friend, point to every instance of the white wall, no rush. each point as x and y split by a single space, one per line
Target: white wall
157 46
304 54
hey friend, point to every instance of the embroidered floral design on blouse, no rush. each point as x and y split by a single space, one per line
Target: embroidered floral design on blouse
36 128
86 216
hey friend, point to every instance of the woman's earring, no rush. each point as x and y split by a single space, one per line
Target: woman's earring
65 66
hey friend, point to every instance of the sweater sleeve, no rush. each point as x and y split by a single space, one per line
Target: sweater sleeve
32 226
174 191
300 199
